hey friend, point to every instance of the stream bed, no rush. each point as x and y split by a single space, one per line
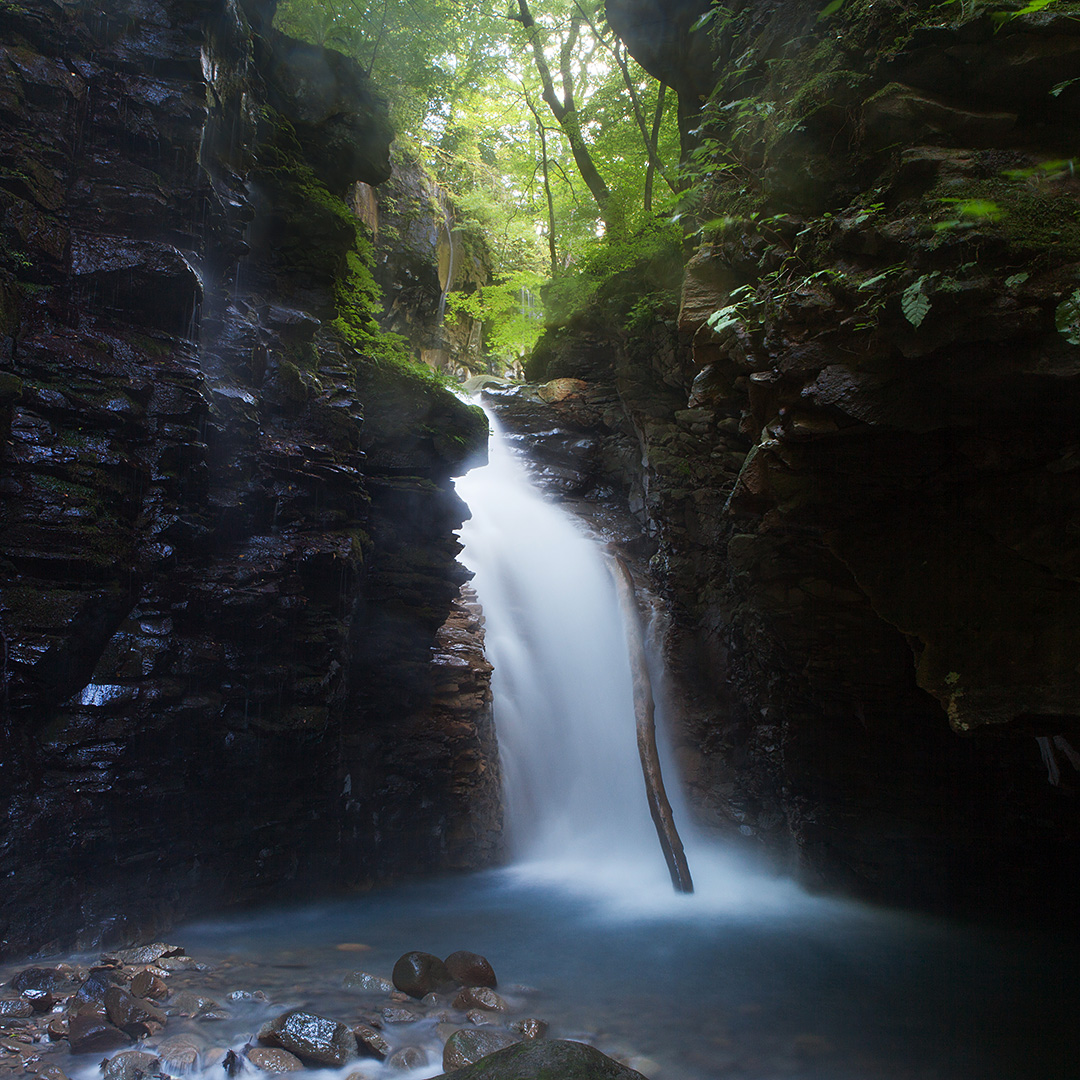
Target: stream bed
751 979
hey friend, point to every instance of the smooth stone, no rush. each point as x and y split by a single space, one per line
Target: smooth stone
148 954
420 973
190 1003
17 1008
530 1027
90 1033
178 1053
127 1012
369 984
467 1046
273 1059
470 969
148 985
56 980
408 1057
480 1018
399 1015
480 997
52 1072
311 1038
131 1065
539 1059
371 1042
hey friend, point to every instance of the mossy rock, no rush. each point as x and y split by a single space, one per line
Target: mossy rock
544 1059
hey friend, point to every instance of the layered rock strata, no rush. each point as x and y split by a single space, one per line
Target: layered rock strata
226 527
853 444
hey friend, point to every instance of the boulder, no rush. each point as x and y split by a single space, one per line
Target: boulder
541 1059
131 1014
470 969
468 1045
55 980
419 973
313 1039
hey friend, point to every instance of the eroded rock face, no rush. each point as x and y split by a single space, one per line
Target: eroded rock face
859 484
226 536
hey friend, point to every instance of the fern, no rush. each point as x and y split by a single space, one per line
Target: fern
1067 318
914 303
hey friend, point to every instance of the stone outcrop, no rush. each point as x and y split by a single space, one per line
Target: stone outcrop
226 521
855 449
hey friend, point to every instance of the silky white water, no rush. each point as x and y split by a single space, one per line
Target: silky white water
576 810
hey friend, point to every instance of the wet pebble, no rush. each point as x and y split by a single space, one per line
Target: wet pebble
148 985
470 969
89 1032
479 997
189 1003
57 980
420 973
530 1028
399 1015
17 1007
311 1038
371 1042
367 983
273 1059
131 1065
178 1053
408 1057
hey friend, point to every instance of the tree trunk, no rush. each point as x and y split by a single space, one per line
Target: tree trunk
644 710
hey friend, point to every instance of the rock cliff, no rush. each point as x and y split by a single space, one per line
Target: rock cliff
226 520
853 444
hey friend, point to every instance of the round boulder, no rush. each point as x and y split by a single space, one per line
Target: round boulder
273 1059
470 969
541 1058
419 973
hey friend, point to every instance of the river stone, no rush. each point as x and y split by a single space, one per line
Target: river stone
128 1012
469 1045
543 1059
131 1065
148 985
470 969
55 980
529 1027
480 997
190 1003
90 1033
52 1072
96 985
273 1059
178 1053
408 1057
420 973
369 984
147 954
17 1008
371 1042
311 1038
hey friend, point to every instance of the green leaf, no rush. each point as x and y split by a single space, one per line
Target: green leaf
914 303
704 20
1016 279
1067 318
830 9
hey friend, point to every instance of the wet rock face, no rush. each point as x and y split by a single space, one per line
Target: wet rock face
859 478
223 531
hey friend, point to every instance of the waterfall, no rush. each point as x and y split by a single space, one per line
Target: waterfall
575 799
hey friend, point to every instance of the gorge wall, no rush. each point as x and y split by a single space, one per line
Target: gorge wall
236 660
849 439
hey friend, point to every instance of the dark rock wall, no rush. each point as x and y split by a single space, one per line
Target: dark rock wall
226 530
861 485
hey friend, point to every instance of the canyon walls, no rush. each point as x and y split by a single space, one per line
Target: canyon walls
849 439
236 660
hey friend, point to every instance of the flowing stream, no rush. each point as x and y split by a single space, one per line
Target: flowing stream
750 978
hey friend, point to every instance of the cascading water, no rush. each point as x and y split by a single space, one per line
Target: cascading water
575 798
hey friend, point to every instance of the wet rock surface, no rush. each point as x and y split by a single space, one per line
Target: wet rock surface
837 487
536 1060
223 530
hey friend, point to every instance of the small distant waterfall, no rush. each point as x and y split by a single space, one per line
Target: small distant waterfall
564 708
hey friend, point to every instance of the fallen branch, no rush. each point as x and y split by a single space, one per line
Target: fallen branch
645 712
